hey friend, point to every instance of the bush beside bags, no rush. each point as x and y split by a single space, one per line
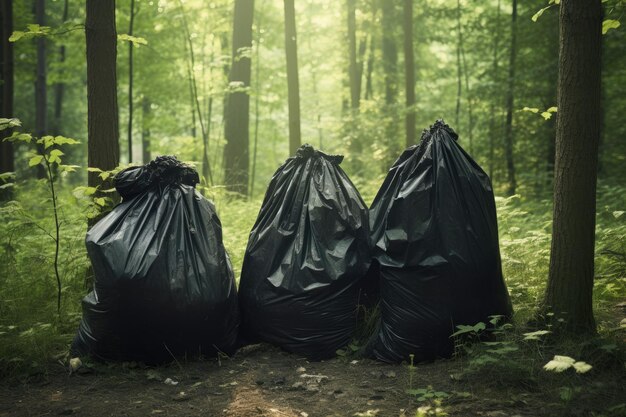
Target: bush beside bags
164 284
306 255
435 236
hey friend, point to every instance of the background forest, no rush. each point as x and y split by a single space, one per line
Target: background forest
488 68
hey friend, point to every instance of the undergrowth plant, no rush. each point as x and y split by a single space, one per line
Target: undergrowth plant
46 151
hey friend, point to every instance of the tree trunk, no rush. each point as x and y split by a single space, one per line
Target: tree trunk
130 83
293 84
103 126
6 90
370 69
508 131
390 52
257 90
570 280
145 130
409 71
492 107
458 66
354 81
59 88
236 127
41 90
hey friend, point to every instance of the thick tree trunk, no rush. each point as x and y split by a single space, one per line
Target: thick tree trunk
103 126
59 88
508 132
293 84
236 128
6 89
409 71
41 89
570 280
145 130
354 79
130 82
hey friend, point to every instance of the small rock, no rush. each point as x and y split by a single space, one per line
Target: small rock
181 396
303 414
301 369
170 381
354 362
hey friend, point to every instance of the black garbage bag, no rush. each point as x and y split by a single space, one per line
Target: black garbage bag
306 255
435 236
164 285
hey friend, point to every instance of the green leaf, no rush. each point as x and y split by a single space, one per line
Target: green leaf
618 214
55 156
68 168
16 36
93 169
559 363
105 175
35 160
135 40
9 123
552 109
100 201
609 24
539 13
546 115
62 140
19 137
582 367
48 141
535 335
531 109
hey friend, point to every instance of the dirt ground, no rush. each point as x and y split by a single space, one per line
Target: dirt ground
261 380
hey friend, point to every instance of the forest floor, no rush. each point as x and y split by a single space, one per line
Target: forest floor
261 380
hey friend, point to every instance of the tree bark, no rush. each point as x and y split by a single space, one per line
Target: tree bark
41 90
459 86
59 88
145 130
409 71
7 163
508 132
102 114
570 280
130 82
236 127
293 84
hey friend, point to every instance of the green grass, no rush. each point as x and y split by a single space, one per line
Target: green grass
32 333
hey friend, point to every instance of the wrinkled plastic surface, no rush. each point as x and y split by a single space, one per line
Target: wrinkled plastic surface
435 236
163 281
306 255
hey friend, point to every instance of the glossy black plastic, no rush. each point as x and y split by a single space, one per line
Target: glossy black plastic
435 236
164 284
306 256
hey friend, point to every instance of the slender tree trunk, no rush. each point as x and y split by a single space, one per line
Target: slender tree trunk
59 88
570 280
6 90
492 107
390 52
130 82
470 104
409 71
458 65
257 89
508 132
41 90
195 101
192 101
293 84
145 130
370 68
354 81
236 127
103 126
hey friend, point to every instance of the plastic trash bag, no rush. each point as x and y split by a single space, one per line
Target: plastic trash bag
164 284
435 236
306 255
